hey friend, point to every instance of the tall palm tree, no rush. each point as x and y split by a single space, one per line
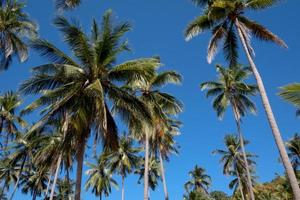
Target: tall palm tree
124 160
199 180
291 93
9 119
160 105
162 143
84 87
226 19
15 27
231 89
100 178
233 162
293 146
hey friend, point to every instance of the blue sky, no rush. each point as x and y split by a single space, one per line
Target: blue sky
158 27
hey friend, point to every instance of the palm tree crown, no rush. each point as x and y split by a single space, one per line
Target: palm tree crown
15 25
199 181
293 146
291 93
231 89
220 16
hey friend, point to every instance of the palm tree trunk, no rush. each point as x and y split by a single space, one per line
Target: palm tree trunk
123 189
146 172
48 184
240 184
238 125
80 158
34 195
272 122
55 177
19 177
163 176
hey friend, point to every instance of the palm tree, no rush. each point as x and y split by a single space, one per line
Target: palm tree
34 181
67 4
162 144
9 119
65 189
160 105
231 89
233 161
225 18
23 151
85 86
199 180
293 146
291 93
15 27
154 173
8 174
124 160
55 151
100 178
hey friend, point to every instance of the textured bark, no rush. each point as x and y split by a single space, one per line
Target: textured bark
238 124
240 184
19 177
146 172
272 122
80 158
163 176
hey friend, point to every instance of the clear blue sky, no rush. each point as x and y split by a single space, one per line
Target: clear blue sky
158 27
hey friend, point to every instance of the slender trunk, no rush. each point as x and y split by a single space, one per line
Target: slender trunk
48 185
34 195
163 176
55 177
100 197
19 177
240 184
146 172
272 122
80 158
123 189
238 124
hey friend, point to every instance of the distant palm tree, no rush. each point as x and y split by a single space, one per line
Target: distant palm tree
162 144
100 178
8 174
231 90
67 4
9 119
15 27
24 148
291 93
124 159
154 173
293 146
199 180
160 105
226 19
84 87
34 181
233 162
65 189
